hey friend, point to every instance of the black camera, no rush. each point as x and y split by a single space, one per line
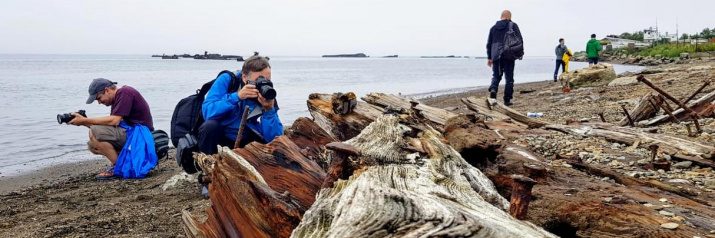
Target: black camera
67 117
265 87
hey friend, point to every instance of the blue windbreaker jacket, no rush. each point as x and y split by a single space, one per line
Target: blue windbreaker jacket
138 155
227 108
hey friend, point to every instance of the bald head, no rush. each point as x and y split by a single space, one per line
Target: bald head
506 15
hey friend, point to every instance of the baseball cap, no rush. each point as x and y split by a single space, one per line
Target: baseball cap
96 87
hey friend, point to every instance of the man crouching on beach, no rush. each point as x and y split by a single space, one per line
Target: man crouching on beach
124 136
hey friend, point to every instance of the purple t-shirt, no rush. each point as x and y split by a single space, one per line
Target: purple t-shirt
129 104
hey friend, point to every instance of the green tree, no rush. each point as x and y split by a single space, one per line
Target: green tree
706 33
684 36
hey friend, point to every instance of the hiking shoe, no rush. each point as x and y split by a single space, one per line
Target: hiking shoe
492 94
106 175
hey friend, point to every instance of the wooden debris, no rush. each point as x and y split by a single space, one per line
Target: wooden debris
668 144
520 196
698 105
643 110
436 115
498 110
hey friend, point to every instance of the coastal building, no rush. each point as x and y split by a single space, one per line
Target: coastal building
617 43
652 35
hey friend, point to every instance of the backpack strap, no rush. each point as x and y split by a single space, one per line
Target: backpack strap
236 82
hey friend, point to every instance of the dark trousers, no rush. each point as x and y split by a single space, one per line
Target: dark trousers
499 68
211 134
563 68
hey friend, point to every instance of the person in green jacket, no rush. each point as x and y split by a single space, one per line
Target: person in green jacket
592 48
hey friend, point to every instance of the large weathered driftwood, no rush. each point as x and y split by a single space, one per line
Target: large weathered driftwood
253 190
404 193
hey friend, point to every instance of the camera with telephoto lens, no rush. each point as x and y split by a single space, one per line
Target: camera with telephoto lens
67 117
265 87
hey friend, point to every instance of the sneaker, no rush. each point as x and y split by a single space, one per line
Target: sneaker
508 103
106 175
492 94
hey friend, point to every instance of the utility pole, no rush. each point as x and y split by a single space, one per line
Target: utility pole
677 33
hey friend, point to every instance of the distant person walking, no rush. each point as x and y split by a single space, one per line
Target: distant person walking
504 47
592 48
561 51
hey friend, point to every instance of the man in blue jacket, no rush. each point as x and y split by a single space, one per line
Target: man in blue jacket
222 110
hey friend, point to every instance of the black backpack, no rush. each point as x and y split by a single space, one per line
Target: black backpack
513 45
161 143
187 119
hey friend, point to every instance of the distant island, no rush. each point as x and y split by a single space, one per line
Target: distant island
448 56
358 55
390 56
205 56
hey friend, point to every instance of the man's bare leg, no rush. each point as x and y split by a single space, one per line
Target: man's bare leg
103 148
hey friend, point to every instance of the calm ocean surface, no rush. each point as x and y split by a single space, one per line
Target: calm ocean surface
35 88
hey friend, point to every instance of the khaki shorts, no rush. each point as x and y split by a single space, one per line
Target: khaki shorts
115 135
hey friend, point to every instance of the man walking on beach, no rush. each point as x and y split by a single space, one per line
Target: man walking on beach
124 137
561 50
592 48
504 46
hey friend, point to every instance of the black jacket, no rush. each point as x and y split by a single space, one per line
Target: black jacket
496 37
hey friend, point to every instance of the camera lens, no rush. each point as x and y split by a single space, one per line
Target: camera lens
59 118
268 92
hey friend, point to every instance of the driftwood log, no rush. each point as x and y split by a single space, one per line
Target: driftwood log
497 110
437 116
341 127
404 193
256 191
387 179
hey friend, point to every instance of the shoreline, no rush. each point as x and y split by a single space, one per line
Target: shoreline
63 171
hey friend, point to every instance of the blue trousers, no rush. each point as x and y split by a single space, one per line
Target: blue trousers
563 68
500 68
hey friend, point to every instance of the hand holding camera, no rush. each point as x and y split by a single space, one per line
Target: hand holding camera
262 89
69 118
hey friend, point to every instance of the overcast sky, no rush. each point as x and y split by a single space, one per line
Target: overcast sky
316 27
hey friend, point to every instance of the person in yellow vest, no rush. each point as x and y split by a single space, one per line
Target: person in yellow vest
566 58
